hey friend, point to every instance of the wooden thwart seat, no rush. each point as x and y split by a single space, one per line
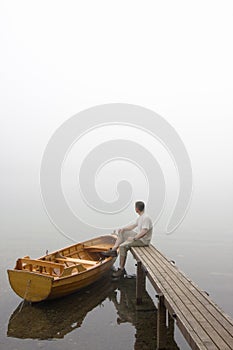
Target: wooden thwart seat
77 261
41 266
201 321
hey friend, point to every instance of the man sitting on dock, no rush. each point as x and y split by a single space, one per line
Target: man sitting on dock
128 238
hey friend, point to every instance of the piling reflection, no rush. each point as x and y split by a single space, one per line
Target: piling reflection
143 317
55 319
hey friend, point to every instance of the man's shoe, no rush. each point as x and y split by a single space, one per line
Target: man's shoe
118 273
110 252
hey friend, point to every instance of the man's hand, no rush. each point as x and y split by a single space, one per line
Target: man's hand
142 233
121 230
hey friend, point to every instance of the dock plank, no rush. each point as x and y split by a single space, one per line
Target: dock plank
213 308
204 317
181 309
213 314
201 321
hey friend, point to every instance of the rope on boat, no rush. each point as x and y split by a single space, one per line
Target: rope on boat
22 304
25 294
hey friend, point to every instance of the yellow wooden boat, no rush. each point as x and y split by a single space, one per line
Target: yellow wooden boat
62 272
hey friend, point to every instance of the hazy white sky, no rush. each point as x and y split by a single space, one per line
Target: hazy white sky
174 57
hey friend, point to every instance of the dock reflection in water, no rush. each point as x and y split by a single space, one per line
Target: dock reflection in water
142 317
56 318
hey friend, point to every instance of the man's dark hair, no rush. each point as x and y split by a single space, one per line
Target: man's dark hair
140 205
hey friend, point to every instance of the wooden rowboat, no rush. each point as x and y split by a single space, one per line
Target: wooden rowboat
62 272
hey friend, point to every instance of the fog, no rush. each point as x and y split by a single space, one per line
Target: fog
59 58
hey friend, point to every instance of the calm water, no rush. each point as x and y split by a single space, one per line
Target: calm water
105 316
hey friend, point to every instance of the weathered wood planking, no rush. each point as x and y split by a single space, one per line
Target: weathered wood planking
201 321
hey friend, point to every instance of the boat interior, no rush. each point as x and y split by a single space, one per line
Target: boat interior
66 262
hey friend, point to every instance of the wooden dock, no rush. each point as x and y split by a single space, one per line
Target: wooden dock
204 325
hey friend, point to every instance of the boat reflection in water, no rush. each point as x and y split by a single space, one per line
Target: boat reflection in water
54 319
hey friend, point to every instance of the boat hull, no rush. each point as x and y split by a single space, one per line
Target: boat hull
34 285
68 285
30 286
